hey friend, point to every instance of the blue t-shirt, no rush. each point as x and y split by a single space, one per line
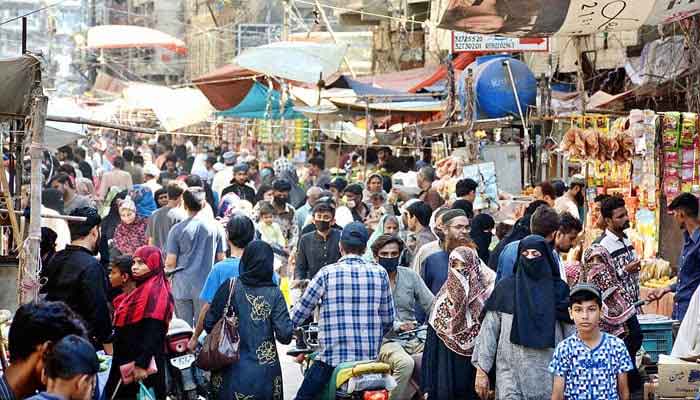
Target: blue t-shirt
222 272
590 374
195 242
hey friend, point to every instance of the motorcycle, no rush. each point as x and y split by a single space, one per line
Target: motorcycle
356 380
180 371
416 334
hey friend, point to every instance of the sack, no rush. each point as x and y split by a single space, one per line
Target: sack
221 346
145 393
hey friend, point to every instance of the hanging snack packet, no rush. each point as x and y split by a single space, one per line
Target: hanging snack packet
688 129
671 129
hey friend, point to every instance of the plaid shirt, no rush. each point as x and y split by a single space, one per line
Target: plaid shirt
357 309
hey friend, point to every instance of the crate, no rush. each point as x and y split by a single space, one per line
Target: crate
658 338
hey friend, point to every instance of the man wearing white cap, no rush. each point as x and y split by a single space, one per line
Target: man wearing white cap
223 178
150 177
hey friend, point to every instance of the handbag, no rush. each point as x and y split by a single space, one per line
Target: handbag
127 370
221 347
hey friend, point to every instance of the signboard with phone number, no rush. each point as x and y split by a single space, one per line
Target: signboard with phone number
466 42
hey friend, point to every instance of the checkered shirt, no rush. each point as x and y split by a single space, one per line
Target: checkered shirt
356 309
590 374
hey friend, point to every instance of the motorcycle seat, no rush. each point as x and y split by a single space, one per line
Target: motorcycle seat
347 370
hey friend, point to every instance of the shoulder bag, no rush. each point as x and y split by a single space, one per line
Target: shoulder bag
221 346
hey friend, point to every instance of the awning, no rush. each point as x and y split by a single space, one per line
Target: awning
401 81
227 86
57 134
254 105
174 108
296 61
132 36
17 76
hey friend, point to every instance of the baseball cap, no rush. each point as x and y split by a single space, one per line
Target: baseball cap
151 169
578 179
338 184
354 234
324 204
229 157
586 287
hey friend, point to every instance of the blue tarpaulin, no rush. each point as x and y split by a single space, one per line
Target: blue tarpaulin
255 103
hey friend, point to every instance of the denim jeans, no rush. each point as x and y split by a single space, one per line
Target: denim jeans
315 381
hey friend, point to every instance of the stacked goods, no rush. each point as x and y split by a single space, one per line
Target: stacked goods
688 132
670 137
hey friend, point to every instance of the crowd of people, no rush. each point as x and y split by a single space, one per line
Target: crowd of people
167 233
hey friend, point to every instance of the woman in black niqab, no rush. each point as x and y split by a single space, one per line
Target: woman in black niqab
257 264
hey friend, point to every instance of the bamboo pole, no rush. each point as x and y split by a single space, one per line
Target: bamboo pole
330 31
49 216
103 124
36 153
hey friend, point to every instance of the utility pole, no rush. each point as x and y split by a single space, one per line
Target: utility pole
285 21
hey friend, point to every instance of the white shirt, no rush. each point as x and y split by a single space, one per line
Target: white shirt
566 204
222 180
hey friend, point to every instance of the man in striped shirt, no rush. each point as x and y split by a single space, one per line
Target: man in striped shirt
615 240
627 266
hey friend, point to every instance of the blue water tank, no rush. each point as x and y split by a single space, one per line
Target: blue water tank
493 91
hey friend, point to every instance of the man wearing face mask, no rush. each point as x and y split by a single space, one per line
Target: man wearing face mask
408 290
353 195
284 212
77 278
320 247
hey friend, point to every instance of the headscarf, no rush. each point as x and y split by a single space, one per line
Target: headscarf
542 297
53 199
618 305
85 187
129 237
460 302
145 202
111 220
151 298
285 170
369 255
480 233
257 264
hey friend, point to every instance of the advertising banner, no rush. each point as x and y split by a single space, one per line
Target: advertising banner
465 42
542 18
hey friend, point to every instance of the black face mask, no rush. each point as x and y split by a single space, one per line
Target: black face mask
323 226
389 264
280 201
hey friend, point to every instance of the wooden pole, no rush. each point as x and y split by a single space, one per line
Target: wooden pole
49 216
330 31
368 122
103 124
37 156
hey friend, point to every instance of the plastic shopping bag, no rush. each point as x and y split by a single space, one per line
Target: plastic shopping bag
145 393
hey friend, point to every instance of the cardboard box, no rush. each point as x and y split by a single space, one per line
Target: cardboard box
677 378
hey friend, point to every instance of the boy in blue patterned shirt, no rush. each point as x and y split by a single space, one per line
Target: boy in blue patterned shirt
589 365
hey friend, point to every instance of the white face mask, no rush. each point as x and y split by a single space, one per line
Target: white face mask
351 204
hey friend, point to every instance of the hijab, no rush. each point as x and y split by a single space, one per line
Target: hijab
542 297
151 298
369 255
112 220
144 200
85 187
129 237
618 305
257 264
480 233
460 302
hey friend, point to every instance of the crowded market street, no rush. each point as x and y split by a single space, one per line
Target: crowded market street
366 200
